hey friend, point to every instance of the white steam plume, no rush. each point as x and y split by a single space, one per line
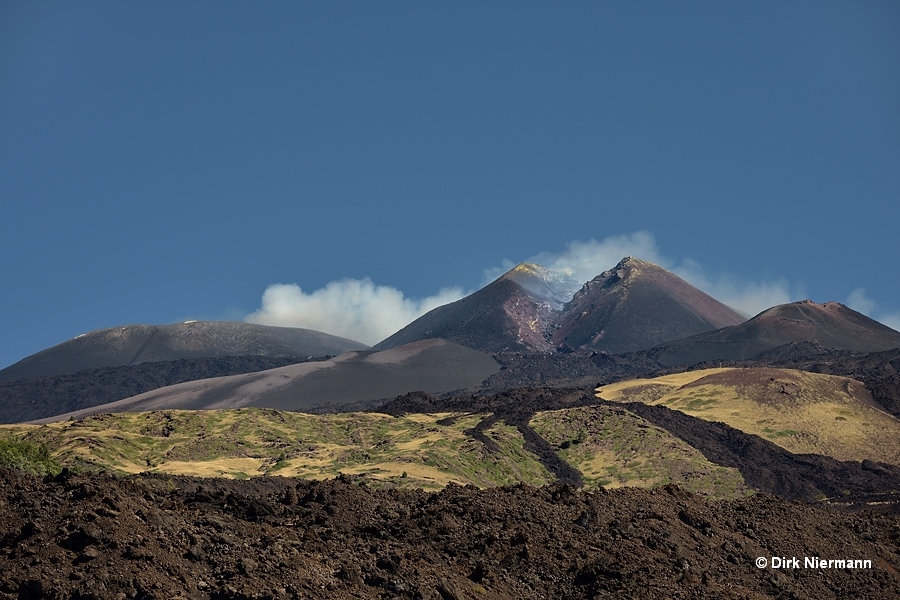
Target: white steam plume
361 310
352 308
892 320
585 260
859 301
748 297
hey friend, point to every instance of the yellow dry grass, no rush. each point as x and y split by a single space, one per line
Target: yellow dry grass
418 450
801 412
614 391
223 467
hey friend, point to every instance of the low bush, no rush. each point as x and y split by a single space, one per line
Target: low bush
27 456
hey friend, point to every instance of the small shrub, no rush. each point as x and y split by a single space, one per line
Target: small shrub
27 456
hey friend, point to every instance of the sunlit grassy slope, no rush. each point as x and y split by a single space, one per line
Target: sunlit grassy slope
613 448
800 411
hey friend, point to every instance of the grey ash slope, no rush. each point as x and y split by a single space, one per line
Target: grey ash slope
832 326
634 306
362 377
134 344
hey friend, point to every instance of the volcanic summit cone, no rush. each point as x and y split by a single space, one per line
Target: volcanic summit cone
831 325
634 306
637 305
512 313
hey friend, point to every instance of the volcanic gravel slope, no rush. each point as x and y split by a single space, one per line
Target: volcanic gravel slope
134 344
879 371
78 536
351 378
40 397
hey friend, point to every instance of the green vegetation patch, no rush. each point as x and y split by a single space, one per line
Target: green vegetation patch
27 456
613 447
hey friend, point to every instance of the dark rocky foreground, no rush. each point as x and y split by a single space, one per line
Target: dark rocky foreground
79 536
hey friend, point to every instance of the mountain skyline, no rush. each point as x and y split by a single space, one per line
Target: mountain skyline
518 330
168 163
635 305
556 286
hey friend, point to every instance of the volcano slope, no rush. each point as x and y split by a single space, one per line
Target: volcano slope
831 325
583 445
634 306
96 536
352 378
764 466
804 413
879 371
42 397
512 313
135 344
112 364
533 435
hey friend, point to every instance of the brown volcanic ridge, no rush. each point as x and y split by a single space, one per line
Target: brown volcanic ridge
831 325
133 344
637 305
634 306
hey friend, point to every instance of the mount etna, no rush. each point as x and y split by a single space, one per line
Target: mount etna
531 326
635 305
634 379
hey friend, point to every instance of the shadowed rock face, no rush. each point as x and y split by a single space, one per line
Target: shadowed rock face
134 344
637 305
830 325
634 306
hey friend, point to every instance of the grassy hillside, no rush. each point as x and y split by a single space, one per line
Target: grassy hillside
617 448
613 448
801 412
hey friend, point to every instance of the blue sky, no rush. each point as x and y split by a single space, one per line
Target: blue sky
172 160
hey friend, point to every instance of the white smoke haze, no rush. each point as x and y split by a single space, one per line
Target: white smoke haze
361 310
747 297
357 309
859 301
584 260
892 320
